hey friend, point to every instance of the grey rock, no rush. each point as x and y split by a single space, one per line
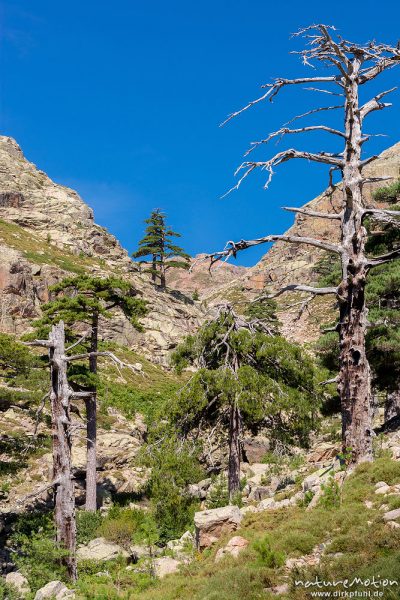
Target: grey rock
54 589
20 582
392 515
165 565
100 549
211 524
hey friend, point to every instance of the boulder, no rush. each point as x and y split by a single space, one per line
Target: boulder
260 493
100 549
323 453
266 504
233 548
19 582
181 547
204 484
392 515
384 489
311 483
54 589
381 484
137 552
249 509
259 469
195 491
255 448
211 524
165 565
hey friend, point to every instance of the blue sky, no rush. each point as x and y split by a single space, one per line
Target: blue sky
122 102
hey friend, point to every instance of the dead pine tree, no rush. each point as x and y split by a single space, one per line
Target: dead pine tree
60 396
63 480
348 67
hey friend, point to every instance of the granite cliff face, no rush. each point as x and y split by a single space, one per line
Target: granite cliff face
47 232
203 281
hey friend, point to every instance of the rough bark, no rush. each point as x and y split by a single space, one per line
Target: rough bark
392 405
234 451
163 281
91 423
64 513
354 383
154 269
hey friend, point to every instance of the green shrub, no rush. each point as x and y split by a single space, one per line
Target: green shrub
308 496
266 556
41 560
218 495
8 592
87 525
331 496
121 525
388 193
174 465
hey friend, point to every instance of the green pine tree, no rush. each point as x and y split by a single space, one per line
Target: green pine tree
158 244
246 377
383 298
383 301
82 301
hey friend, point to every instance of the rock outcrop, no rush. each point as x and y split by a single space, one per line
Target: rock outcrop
211 524
48 232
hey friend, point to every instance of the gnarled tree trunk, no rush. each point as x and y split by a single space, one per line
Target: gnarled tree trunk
234 451
64 514
91 424
354 378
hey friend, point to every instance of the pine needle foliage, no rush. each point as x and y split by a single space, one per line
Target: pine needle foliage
157 243
275 384
383 300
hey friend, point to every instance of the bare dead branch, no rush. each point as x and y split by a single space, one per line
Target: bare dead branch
384 258
375 104
39 412
115 359
383 215
286 131
39 492
383 64
274 89
312 89
376 179
84 336
329 381
313 111
314 213
298 287
232 248
78 395
321 157
40 343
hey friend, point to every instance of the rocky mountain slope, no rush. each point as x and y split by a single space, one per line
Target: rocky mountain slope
202 280
286 263
47 232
